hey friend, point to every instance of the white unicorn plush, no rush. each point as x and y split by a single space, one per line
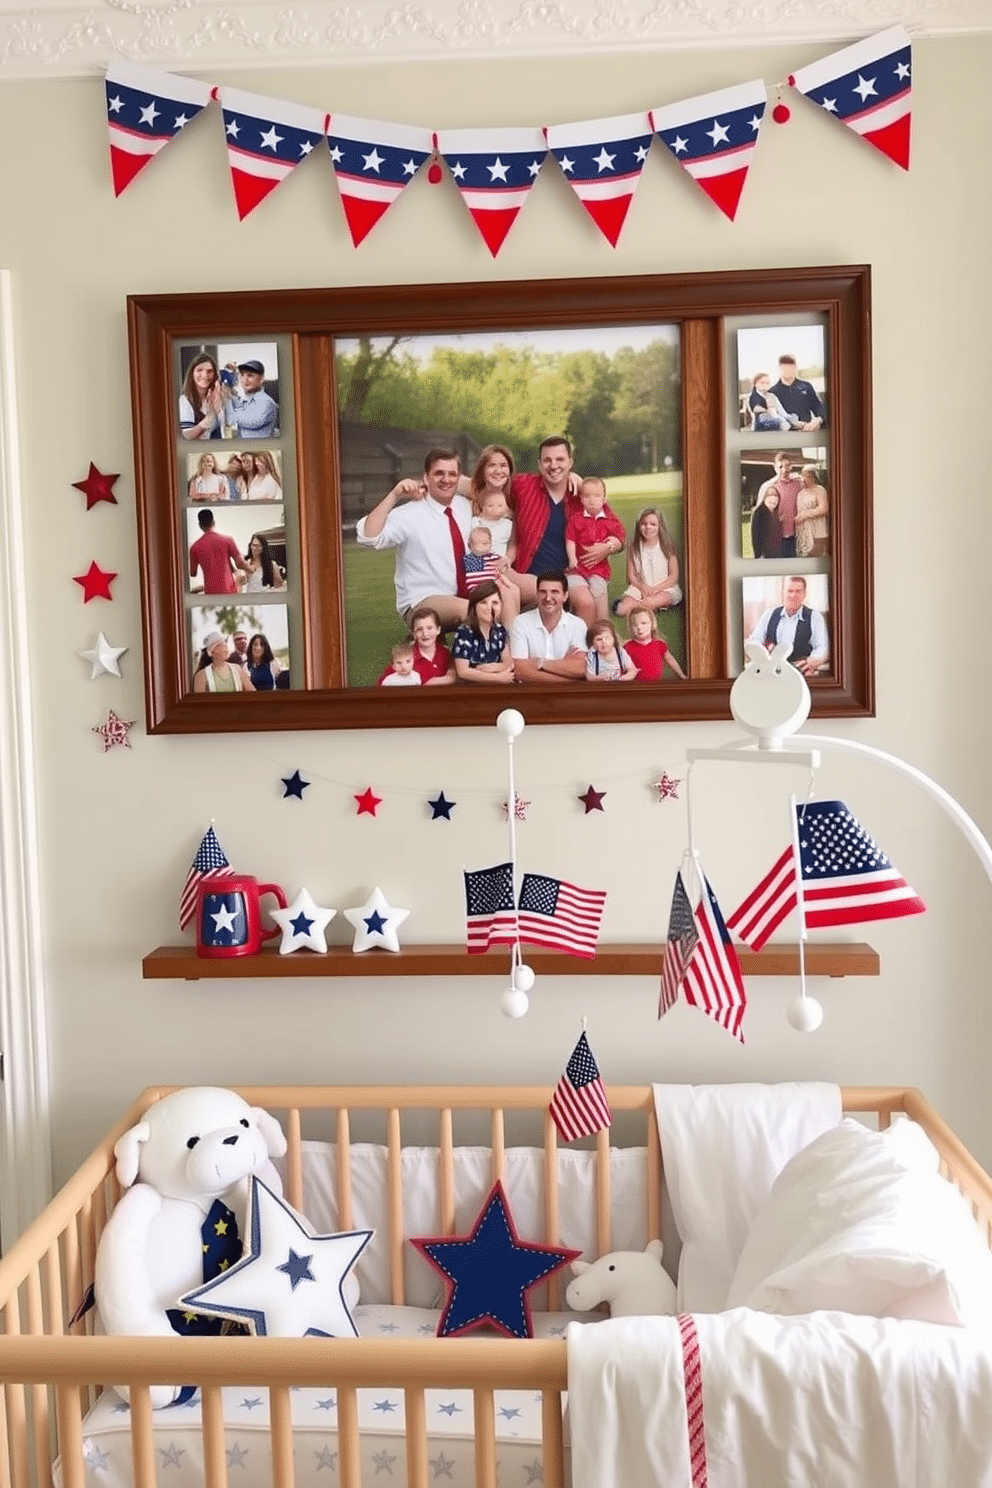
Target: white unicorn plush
633 1282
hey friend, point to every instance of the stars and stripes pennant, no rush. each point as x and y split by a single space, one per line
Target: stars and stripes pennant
266 140
560 915
490 908
602 159
713 981
713 137
210 859
578 1104
494 169
372 163
846 879
868 87
145 110
680 943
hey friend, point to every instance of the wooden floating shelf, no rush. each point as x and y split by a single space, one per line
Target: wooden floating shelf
625 958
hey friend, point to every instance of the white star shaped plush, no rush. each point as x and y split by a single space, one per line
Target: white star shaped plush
288 1283
303 924
376 923
103 658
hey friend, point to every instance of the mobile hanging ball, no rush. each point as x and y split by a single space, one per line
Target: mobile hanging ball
805 1014
511 723
523 978
514 1003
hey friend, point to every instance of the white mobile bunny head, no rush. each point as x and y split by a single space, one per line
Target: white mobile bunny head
770 698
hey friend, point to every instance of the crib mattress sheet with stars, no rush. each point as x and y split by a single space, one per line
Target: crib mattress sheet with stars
451 1463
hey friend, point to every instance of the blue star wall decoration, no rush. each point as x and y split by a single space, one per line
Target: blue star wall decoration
441 809
294 785
490 1272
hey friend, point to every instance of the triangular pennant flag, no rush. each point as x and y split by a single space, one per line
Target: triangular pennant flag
494 170
372 163
603 160
266 139
868 87
713 136
145 110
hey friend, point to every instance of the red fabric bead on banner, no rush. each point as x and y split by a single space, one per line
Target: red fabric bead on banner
781 113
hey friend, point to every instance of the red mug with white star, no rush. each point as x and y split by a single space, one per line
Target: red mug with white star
229 914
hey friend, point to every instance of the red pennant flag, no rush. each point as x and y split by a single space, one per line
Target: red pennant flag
868 87
713 136
603 159
372 163
494 170
145 110
266 140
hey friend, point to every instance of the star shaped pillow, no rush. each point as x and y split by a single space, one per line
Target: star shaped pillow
289 1283
489 1272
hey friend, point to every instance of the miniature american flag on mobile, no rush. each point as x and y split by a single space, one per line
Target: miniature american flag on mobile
846 879
372 163
560 915
602 160
713 981
681 942
145 110
713 136
494 169
868 87
490 908
266 140
210 858
578 1105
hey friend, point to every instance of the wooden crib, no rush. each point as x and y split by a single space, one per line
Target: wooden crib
53 1374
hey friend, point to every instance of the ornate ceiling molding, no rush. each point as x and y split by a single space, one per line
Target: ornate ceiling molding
53 39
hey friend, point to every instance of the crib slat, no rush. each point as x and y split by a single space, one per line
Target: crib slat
142 1437
294 1158
5 1445
604 1225
394 1206
281 1426
73 1270
446 1175
68 1407
39 1393
17 1427
349 1459
416 1439
214 1456
498 1143
485 1438
345 1221
551 1202
552 1440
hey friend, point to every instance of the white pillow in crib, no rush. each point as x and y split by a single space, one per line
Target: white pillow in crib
861 1221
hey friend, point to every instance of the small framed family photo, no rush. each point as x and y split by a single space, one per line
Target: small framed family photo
781 373
239 649
795 609
236 550
228 390
785 502
250 474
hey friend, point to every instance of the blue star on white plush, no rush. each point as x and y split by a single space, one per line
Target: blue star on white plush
289 1283
303 924
376 923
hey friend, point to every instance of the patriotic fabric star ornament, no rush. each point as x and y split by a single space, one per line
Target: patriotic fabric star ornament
114 731
602 160
303 924
441 808
868 87
494 169
145 110
376 923
95 583
667 786
520 809
103 658
368 802
266 140
372 163
289 1283
97 487
294 785
713 137
489 1272
592 800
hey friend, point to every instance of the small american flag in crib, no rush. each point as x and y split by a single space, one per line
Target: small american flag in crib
578 1105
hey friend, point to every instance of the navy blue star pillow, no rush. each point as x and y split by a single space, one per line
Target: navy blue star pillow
490 1272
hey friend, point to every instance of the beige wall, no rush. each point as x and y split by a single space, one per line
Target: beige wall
118 830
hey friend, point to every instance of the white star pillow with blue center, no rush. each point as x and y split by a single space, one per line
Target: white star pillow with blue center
303 924
376 923
490 1272
289 1283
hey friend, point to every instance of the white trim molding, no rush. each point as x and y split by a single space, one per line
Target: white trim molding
52 38
25 1140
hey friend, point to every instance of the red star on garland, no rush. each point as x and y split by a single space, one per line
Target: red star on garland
592 800
97 487
367 803
114 732
667 786
94 583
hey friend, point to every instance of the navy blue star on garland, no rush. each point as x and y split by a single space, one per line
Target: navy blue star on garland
441 808
295 785
490 1272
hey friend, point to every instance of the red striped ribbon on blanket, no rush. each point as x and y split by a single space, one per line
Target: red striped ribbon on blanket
693 1373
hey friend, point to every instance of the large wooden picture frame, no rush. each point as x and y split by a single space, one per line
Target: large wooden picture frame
715 456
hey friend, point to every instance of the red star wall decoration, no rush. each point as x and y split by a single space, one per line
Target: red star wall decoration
592 800
94 583
114 732
97 487
368 802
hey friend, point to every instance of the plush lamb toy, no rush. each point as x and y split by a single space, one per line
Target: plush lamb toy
194 1147
633 1282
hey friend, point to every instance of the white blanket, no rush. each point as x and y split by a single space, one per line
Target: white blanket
723 1146
745 1400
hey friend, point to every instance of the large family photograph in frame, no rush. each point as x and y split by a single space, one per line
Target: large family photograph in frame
508 493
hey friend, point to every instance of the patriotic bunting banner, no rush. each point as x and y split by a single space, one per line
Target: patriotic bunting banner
714 137
266 140
145 110
372 162
602 159
494 170
868 87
